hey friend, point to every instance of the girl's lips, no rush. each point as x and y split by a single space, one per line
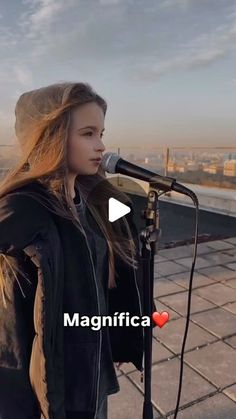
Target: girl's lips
97 162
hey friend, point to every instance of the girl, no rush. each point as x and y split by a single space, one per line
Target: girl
59 255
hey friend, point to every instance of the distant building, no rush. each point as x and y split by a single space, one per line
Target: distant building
181 168
213 169
151 159
172 165
230 167
192 166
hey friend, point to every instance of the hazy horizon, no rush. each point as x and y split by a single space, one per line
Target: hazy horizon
166 68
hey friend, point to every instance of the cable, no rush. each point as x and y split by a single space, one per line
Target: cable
195 202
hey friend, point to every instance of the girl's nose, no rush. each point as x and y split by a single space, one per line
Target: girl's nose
101 147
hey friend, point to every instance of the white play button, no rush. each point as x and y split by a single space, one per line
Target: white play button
116 209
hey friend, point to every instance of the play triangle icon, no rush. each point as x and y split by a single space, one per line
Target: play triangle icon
116 209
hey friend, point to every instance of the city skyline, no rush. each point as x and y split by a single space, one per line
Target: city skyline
166 68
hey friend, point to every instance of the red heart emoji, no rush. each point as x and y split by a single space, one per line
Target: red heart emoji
160 318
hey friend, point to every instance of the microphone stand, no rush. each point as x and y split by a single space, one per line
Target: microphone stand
149 236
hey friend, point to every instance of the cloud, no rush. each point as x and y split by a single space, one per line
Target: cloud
153 72
61 31
41 14
183 4
54 31
7 37
23 75
16 73
27 39
110 2
196 53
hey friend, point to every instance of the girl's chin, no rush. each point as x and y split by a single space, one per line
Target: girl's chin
89 170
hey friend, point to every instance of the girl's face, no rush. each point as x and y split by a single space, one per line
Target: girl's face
85 139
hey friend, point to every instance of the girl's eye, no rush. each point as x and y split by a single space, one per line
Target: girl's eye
88 133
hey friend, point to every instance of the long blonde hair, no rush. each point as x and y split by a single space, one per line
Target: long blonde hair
43 118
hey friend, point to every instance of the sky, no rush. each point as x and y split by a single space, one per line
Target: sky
167 68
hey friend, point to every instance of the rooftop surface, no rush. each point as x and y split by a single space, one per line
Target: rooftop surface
209 378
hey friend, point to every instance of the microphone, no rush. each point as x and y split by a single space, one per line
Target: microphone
113 163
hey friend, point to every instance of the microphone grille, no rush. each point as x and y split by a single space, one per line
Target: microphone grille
109 161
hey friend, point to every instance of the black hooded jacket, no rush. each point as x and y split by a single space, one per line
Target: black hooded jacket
50 249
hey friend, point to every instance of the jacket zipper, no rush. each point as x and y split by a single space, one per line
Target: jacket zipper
100 340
